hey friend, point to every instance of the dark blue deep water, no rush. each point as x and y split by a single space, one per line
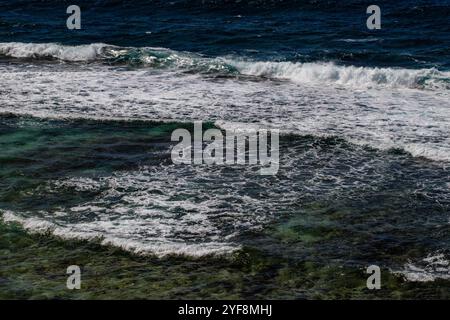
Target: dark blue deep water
414 34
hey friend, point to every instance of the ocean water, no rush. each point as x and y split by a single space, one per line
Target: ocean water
86 176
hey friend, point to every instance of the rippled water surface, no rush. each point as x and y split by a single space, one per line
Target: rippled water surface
86 176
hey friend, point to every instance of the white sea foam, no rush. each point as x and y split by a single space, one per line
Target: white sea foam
151 246
52 50
317 72
417 121
359 77
155 211
433 267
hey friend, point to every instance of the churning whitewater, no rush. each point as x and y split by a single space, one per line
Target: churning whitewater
384 108
380 107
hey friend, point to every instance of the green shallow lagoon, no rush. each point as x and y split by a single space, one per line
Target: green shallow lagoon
33 267
308 233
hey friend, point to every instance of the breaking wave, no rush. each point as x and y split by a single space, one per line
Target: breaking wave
433 267
327 72
313 72
41 226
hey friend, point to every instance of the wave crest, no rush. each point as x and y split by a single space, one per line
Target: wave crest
327 72
314 72
89 52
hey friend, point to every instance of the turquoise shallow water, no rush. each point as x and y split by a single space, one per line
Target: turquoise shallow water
333 209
